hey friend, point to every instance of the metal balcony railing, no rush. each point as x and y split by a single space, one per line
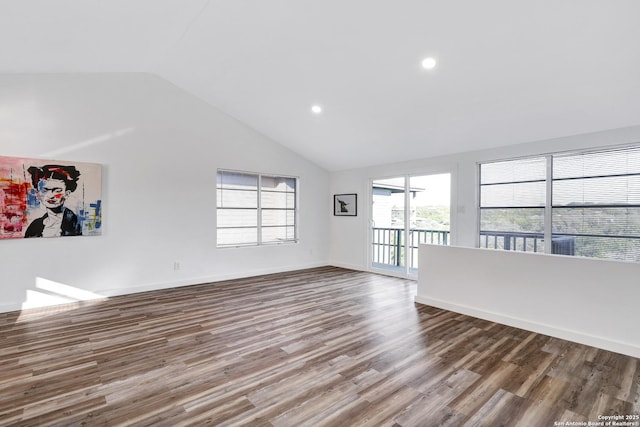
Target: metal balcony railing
388 244
527 242
389 248
509 241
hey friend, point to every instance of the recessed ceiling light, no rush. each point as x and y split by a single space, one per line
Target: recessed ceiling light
428 63
316 109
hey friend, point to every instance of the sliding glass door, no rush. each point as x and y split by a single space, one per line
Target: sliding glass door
388 220
405 212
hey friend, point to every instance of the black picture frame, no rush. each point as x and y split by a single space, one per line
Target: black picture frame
345 204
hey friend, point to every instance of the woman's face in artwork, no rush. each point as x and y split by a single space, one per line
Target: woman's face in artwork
53 192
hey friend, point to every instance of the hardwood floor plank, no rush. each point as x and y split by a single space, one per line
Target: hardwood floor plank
492 413
428 408
210 412
318 347
541 413
11 417
535 367
626 381
482 390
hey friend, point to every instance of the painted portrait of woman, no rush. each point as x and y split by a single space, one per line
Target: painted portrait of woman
53 185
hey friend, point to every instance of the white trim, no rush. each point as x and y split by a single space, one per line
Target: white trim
548 211
258 209
453 206
549 181
349 266
572 152
541 328
557 295
157 286
208 279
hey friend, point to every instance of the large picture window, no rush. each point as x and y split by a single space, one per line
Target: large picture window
585 204
255 209
512 204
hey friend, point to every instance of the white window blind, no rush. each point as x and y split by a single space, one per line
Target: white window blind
254 209
278 209
596 203
237 208
591 201
512 204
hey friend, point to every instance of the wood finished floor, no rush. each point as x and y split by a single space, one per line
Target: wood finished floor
320 347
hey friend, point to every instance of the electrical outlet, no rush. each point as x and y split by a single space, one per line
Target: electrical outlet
176 265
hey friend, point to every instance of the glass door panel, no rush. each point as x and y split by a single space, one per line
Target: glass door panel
430 214
388 224
406 212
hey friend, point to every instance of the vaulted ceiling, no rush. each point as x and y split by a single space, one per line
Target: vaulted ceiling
507 71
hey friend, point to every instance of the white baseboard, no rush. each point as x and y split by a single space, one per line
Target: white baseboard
106 293
7 308
347 266
380 271
569 335
208 279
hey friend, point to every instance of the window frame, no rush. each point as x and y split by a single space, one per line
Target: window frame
550 206
259 209
544 206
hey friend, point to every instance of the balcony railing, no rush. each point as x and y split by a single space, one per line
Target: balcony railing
526 242
389 248
388 244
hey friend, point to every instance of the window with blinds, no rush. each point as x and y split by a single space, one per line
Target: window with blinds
596 203
512 204
592 201
254 209
278 209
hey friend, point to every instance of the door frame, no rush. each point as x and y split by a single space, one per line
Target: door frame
407 214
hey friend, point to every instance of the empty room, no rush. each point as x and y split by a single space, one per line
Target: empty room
300 213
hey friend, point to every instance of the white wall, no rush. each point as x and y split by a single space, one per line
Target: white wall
610 326
594 302
349 236
160 148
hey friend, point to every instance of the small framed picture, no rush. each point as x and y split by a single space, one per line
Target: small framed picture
345 204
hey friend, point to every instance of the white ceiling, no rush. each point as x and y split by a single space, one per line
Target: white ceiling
508 71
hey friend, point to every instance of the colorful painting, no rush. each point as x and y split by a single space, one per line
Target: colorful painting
48 198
